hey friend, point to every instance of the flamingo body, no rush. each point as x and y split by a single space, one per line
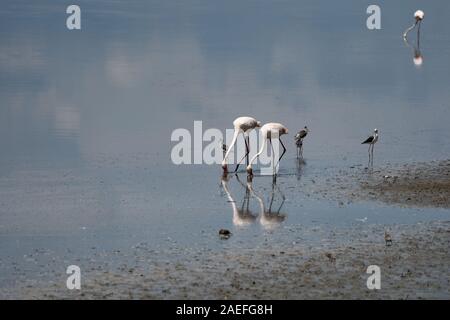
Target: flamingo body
241 125
267 131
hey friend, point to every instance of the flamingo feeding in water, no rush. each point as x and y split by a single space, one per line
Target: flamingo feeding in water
241 125
267 130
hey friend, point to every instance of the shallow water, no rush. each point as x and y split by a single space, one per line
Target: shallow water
86 116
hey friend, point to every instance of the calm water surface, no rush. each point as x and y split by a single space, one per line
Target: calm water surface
86 116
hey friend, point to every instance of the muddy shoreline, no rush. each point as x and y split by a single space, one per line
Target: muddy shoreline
421 185
415 266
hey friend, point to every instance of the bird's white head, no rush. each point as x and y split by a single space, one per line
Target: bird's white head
375 130
258 124
306 129
419 15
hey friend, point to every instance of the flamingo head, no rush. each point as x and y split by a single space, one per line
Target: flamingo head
419 15
224 166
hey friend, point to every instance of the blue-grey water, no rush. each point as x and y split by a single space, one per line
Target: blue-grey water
86 115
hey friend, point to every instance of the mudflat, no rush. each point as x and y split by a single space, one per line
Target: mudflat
414 266
424 184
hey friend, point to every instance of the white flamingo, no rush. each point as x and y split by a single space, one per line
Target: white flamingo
418 16
241 125
267 130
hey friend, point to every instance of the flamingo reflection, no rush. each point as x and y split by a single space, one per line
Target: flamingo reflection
270 216
417 55
242 215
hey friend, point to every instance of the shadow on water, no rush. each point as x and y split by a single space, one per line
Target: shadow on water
269 216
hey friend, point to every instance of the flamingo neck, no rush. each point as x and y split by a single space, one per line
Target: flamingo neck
257 154
235 135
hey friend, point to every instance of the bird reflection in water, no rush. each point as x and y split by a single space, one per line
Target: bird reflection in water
242 215
300 164
269 216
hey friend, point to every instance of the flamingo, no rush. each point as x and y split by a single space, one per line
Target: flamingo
418 16
267 130
371 142
241 125
299 140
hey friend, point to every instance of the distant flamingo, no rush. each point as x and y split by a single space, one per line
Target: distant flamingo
267 130
418 16
241 125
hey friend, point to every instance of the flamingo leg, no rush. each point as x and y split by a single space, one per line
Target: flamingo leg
247 145
284 151
418 35
247 151
273 155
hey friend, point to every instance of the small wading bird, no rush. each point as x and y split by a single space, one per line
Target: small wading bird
241 125
268 130
299 140
418 16
371 142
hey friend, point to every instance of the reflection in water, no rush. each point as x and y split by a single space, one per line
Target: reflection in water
300 163
269 216
93 112
241 215
417 58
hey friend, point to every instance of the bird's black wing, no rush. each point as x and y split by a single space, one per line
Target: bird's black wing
368 140
303 134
